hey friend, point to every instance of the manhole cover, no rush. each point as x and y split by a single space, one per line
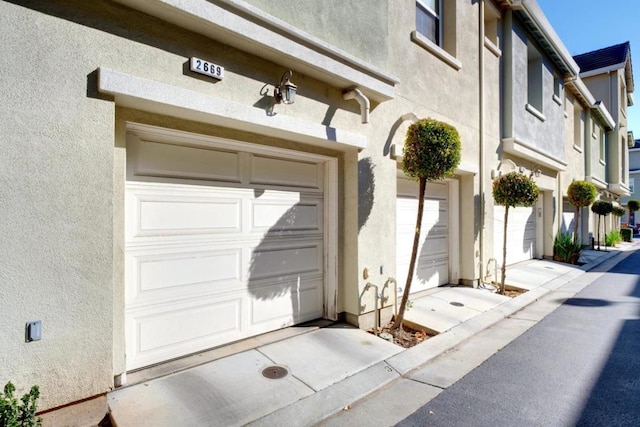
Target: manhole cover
275 372
457 304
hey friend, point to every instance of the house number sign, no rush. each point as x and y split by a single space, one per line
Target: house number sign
207 68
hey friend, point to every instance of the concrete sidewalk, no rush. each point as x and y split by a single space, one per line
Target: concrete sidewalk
321 371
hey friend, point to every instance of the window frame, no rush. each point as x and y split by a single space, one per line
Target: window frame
558 89
535 80
437 16
602 144
579 129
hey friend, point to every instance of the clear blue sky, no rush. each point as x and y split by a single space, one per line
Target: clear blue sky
586 25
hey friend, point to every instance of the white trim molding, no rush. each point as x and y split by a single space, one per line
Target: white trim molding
619 189
599 183
533 110
527 151
427 44
161 98
258 33
603 70
492 47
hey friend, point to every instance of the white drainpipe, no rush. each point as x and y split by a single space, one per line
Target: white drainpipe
362 100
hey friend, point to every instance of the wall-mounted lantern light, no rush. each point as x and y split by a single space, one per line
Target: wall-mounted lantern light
285 91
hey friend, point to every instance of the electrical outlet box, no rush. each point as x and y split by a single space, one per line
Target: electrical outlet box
33 331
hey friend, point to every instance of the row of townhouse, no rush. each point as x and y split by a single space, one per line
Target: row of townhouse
634 176
158 200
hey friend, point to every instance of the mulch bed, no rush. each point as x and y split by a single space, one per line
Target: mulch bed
405 337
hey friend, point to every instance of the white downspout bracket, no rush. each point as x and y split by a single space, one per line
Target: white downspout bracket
362 100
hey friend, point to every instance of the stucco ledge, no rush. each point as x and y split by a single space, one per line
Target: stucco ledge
600 184
161 98
522 149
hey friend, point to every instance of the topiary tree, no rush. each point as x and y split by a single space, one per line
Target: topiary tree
581 194
601 208
633 205
511 190
431 152
618 212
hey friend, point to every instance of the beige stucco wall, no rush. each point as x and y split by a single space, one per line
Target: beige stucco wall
359 27
63 171
56 200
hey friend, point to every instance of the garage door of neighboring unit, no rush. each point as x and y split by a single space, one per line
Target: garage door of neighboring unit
221 244
432 266
521 233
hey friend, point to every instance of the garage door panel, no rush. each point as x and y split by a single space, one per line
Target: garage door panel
174 161
288 173
188 216
521 233
276 260
283 304
162 211
435 213
281 215
438 243
169 275
433 190
432 265
183 328
431 270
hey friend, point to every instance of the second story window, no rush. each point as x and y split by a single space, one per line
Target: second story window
578 128
623 98
602 148
429 19
534 78
557 89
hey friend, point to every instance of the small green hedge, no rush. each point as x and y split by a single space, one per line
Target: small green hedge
627 234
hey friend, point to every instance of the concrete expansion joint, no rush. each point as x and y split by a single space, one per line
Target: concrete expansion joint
425 383
524 319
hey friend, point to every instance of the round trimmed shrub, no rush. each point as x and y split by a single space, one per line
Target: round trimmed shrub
515 189
601 207
431 150
581 193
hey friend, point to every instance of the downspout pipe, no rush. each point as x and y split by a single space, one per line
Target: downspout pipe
481 100
362 100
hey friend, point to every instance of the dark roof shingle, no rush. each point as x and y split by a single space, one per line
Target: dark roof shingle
604 57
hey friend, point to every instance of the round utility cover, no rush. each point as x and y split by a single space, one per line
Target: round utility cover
275 372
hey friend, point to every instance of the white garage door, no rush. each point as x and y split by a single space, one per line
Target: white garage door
521 234
221 244
432 266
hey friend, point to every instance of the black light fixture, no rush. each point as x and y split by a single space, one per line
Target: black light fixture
285 91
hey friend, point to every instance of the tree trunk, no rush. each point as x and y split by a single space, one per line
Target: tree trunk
605 233
576 223
599 231
504 250
414 255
